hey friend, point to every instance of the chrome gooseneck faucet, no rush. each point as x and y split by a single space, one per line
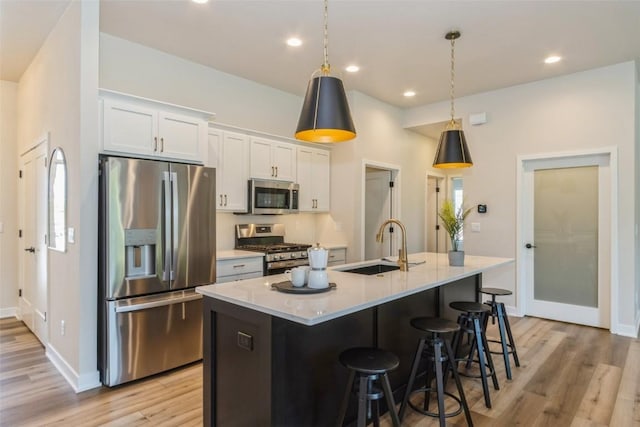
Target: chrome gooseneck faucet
403 260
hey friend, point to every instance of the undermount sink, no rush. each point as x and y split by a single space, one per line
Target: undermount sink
370 270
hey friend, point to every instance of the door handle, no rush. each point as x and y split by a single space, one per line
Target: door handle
529 246
31 249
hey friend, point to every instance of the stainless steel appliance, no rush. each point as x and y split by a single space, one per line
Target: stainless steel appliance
156 243
272 197
269 238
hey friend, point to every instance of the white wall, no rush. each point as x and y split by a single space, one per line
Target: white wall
8 193
132 68
381 139
58 94
585 110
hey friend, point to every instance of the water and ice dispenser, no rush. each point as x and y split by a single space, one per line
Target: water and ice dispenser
140 252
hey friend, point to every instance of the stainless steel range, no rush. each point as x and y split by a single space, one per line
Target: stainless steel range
269 238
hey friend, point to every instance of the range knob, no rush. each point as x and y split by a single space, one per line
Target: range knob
276 257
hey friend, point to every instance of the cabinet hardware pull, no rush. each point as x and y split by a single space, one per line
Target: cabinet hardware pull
238 266
220 200
276 171
155 143
225 200
162 145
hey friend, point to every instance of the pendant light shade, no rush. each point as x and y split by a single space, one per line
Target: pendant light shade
325 115
452 149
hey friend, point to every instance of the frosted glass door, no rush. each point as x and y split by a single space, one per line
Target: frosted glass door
566 236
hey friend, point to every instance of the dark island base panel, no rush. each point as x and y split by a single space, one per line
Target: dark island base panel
261 370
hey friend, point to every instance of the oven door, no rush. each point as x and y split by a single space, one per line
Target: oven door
272 197
279 267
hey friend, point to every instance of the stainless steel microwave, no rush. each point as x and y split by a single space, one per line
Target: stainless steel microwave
272 197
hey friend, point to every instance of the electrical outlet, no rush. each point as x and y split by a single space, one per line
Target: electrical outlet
63 327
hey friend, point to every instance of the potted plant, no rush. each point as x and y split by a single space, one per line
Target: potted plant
453 222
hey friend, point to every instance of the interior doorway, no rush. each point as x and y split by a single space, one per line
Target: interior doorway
380 193
435 235
566 251
32 211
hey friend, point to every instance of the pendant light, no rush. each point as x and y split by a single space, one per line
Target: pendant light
325 115
452 149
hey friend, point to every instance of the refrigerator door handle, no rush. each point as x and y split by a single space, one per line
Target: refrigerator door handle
166 234
175 224
161 303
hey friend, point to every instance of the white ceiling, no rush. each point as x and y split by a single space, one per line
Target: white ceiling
398 44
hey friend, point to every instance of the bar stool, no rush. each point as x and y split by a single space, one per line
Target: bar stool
430 348
471 322
498 311
370 365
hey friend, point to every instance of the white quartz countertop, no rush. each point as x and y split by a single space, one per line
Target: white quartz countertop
354 292
236 254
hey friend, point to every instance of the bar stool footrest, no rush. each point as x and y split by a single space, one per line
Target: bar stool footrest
435 414
476 362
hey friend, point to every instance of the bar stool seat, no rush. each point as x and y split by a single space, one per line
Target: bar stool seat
370 366
506 340
472 322
438 361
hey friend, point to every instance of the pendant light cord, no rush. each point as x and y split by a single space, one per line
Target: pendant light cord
453 74
325 66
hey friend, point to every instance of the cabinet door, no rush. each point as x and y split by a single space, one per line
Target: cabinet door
284 161
261 165
306 195
321 180
234 167
180 136
214 160
129 128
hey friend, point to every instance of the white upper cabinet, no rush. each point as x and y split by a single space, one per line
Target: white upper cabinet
314 179
180 136
273 160
228 153
144 128
129 128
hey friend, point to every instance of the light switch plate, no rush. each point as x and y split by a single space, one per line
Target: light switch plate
475 227
71 235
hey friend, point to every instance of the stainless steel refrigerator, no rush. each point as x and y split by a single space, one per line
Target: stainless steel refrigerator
156 243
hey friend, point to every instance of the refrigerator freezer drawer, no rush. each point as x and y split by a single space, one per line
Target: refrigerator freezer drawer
148 335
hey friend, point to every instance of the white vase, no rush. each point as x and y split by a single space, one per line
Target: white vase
456 258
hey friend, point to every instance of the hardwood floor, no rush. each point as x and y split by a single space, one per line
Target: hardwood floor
571 376
33 393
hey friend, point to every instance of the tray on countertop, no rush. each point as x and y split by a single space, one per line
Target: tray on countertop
287 287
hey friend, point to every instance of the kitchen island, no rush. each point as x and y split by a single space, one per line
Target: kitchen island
271 358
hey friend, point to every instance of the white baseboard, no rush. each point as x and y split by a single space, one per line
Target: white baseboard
628 330
8 312
513 311
79 383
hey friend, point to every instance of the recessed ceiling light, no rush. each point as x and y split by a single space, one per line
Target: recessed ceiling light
552 59
409 94
200 1
294 41
352 69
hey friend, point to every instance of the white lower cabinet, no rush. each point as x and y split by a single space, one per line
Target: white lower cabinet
337 256
228 153
232 269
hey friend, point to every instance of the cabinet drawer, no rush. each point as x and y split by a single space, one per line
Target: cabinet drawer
337 256
236 277
230 267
